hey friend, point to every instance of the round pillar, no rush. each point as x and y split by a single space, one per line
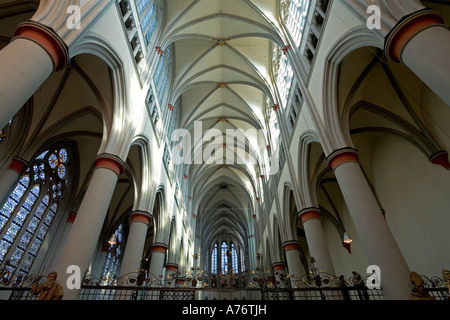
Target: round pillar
34 53
375 236
62 239
294 264
131 261
157 261
316 239
83 238
421 42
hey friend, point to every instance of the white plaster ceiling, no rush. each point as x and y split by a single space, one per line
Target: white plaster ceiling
222 76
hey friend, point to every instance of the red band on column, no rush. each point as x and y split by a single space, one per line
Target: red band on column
441 158
159 247
341 156
291 245
140 216
106 247
279 266
110 162
71 217
172 267
48 40
309 214
407 29
18 165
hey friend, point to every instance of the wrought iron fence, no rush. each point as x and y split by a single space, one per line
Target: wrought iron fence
248 286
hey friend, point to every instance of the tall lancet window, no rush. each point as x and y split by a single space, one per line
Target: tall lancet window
295 12
224 256
283 72
29 211
234 259
111 267
214 259
147 12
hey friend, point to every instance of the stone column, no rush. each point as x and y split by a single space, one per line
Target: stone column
131 261
26 62
294 264
157 262
62 239
375 236
421 41
10 176
316 239
83 238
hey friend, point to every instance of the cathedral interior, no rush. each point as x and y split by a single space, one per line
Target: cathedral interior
225 149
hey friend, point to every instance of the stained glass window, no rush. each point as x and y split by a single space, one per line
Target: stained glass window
234 259
149 20
29 211
111 266
242 261
224 260
214 259
295 12
283 73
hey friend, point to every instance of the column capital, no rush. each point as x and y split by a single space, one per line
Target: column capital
173 267
141 216
408 28
111 162
309 214
341 156
46 38
279 266
291 245
18 165
159 247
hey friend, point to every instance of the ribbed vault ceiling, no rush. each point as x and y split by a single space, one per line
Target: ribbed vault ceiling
222 67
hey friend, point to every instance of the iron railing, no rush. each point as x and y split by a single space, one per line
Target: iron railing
320 287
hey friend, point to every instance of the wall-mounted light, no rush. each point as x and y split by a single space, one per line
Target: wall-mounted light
113 240
347 239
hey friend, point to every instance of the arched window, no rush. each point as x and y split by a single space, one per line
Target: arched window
162 78
114 255
214 259
294 13
29 211
242 261
283 74
224 257
234 259
147 12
